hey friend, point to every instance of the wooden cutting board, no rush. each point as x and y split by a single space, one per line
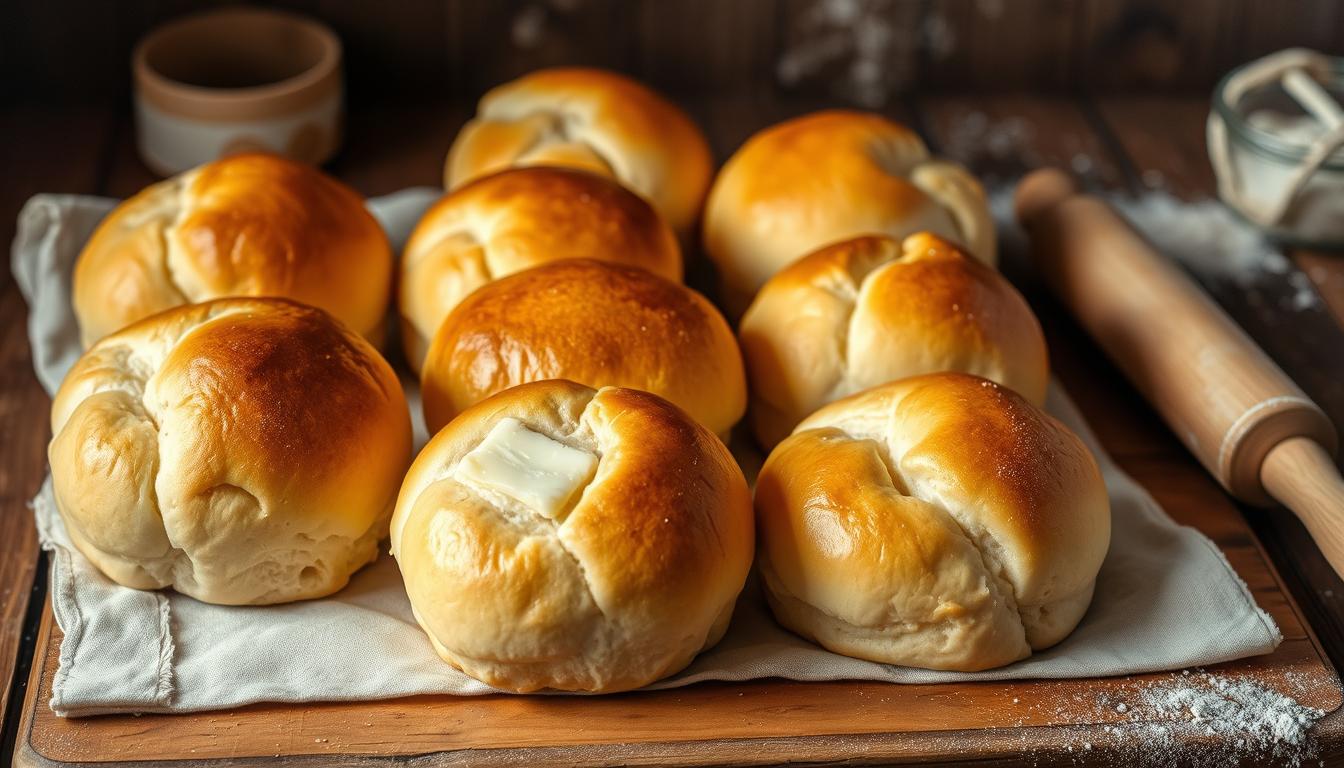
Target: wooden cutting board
761 722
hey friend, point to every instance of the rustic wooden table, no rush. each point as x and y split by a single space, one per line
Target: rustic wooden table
1122 144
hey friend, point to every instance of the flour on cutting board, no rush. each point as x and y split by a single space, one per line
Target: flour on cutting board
1192 718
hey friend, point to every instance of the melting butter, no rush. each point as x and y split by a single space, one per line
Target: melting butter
540 473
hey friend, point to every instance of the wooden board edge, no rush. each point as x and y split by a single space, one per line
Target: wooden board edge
1310 631
1038 745
992 746
24 752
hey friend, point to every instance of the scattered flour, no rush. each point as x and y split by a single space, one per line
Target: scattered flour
1208 720
855 37
1215 243
1197 719
1203 235
981 141
861 51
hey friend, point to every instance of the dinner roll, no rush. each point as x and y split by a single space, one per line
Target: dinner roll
870 310
829 176
940 521
593 322
554 536
592 119
246 225
242 452
515 219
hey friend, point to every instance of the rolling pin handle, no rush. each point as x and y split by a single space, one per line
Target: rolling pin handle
1301 475
1042 190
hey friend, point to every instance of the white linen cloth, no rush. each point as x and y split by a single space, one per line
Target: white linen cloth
1166 597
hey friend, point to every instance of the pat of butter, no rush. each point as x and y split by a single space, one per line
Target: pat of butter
526 466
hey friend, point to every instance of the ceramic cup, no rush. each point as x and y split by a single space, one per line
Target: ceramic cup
237 80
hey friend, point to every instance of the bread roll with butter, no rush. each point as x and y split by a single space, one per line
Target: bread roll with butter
593 322
940 521
242 452
556 536
870 310
515 219
592 119
246 225
830 176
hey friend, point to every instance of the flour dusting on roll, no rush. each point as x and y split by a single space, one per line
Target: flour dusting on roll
940 521
829 176
242 452
246 225
557 536
870 310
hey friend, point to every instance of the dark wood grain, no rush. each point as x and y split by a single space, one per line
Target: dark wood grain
1165 45
696 47
1326 272
964 44
454 49
1262 28
495 42
42 150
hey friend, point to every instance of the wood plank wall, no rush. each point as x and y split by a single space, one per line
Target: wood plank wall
864 50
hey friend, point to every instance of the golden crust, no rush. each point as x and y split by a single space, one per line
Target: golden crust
516 219
635 580
246 225
870 310
595 120
830 176
940 521
596 323
242 451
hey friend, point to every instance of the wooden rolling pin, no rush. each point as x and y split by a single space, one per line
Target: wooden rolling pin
1249 424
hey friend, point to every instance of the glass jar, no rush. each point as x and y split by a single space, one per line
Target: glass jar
1279 163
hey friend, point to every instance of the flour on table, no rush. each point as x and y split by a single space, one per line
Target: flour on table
1203 235
1214 242
976 138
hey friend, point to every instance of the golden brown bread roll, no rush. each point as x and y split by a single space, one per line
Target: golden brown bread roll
515 219
593 322
554 536
595 120
870 310
242 451
830 176
940 521
247 225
